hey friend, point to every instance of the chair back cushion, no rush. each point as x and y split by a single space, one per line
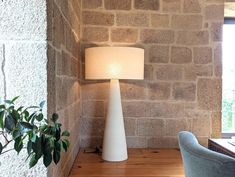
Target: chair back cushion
202 162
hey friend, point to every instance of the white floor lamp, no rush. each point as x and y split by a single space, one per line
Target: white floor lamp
114 63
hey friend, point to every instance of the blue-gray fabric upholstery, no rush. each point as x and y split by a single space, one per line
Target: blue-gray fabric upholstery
202 162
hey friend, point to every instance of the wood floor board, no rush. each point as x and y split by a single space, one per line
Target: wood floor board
141 163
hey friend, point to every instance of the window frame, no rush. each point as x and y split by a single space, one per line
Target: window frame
227 20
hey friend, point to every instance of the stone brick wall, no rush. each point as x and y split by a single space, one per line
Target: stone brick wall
63 36
182 85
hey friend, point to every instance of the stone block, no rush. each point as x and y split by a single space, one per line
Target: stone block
133 90
130 126
66 9
214 12
216 118
74 113
58 29
171 6
162 142
95 34
91 4
218 60
61 97
169 72
73 90
159 54
197 114
91 141
209 94
125 35
148 72
66 64
134 108
71 40
93 108
216 31
192 6
184 91
159 91
200 126
147 4
160 20
193 37
174 126
117 4
192 72
97 18
150 127
181 55
92 126
51 85
183 22
95 91
76 5
157 36
202 55
75 67
132 19
165 110
136 142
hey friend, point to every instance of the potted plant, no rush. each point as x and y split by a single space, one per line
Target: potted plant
27 127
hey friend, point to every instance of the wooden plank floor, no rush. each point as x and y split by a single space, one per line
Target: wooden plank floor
141 163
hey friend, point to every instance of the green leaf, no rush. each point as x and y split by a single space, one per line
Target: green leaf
42 104
1 147
1 119
18 144
57 135
16 134
8 101
39 117
56 156
33 161
20 109
33 137
2 106
15 114
29 147
65 133
55 117
30 117
57 146
47 146
64 146
67 142
37 147
10 122
26 114
26 125
14 99
47 158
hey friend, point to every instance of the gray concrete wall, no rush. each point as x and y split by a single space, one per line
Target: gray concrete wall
23 68
39 60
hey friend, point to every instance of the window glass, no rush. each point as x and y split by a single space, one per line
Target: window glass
228 78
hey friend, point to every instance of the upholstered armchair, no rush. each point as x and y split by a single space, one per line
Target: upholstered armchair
202 162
